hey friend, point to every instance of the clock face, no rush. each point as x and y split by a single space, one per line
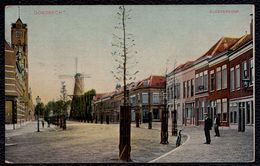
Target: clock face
18 33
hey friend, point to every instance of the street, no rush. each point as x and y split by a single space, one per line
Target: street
81 143
98 143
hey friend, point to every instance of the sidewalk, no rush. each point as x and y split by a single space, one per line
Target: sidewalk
28 127
231 146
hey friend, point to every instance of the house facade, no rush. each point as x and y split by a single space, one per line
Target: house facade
242 103
219 83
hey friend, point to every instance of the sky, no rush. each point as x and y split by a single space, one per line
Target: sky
163 34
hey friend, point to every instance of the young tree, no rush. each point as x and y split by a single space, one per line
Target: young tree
123 54
123 51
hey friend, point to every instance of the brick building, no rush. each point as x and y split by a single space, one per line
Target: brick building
18 100
241 105
223 84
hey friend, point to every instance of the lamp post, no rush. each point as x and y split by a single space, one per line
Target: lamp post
38 101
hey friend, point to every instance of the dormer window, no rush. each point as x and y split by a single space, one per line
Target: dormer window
146 83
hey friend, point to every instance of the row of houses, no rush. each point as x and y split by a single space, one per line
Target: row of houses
144 96
220 82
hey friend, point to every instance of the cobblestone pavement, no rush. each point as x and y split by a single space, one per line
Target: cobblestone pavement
81 143
231 146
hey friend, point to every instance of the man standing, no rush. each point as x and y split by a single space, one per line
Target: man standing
216 125
207 128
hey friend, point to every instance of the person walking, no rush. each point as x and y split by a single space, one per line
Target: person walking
216 125
207 128
42 123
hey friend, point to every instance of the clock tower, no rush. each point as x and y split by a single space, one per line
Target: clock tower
19 44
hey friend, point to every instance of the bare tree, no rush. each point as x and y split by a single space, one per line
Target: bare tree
64 106
123 51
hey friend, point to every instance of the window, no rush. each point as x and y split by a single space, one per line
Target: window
146 83
206 80
191 88
232 79
245 69
251 72
188 88
212 80
197 83
218 79
133 100
224 105
224 76
218 107
145 98
184 89
201 88
237 76
156 98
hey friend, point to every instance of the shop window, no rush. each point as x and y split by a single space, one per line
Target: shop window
224 109
235 117
231 117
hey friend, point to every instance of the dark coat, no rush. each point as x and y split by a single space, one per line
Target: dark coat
218 121
208 124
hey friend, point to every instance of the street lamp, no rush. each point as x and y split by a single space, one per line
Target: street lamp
38 101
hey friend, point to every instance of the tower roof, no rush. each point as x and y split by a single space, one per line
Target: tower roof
19 22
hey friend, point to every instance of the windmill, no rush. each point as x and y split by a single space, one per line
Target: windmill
79 80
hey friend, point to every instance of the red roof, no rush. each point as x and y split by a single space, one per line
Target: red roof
98 96
152 81
244 39
223 44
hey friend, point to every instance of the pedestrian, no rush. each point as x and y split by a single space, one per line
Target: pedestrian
207 128
216 125
42 123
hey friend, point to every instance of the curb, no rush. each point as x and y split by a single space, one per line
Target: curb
177 148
